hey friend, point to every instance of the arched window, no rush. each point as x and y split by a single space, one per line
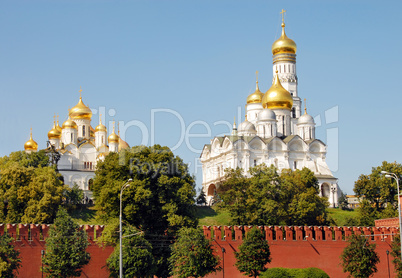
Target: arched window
83 131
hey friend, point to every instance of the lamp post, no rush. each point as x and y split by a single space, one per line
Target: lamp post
127 184
396 178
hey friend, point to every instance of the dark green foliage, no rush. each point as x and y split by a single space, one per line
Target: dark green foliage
34 159
343 201
267 198
73 196
378 191
138 260
396 253
28 194
253 254
201 199
359 257
192 255
66 248
159 200
310 272
9 257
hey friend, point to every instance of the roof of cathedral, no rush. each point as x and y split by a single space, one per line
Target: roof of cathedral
284 44
80 111
31 145
257 96
277 97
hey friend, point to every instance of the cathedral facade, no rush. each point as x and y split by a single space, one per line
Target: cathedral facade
274 132
78 146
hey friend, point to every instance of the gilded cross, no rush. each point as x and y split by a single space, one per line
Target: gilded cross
256 74
283 15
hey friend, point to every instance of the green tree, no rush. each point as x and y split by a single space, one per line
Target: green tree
201 199
378 191
30 191
138 260
66 248
396 253
359 257
267 198
159 200
73 196
192 255
9 257
253 254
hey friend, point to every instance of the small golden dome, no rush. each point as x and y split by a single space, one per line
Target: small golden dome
100 127
284 44
31 145
58 127
277 97
255 97
123 144
80 111
69 124
54 133
113 138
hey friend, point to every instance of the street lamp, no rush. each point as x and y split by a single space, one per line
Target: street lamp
396 178
127 184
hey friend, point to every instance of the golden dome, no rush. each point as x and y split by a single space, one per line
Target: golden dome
284 44
31 145
58 127
255 97
69 124
123 144
80 111
54 133
100 127
113 138
277 97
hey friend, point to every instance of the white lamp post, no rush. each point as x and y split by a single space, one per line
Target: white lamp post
396 178
127 184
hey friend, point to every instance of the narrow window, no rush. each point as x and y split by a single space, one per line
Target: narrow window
295 164
288 68
255 162
102 139
83 131
293 112
72 139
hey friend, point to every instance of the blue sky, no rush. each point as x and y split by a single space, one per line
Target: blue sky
198 59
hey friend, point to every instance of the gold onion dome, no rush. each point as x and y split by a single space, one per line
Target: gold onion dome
31 145
100 127
284 44
80 111
58 127
257 96
69 124
54 133
277 97
113 138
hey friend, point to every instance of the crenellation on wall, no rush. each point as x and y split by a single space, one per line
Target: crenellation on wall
89 229
238 233
228 233
367 232
217 233
269 233
309 232
12 230
207 231
23 232
318 233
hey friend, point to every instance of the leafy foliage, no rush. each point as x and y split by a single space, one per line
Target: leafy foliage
359 257
396 253
253 254
73 196
138 260
379 192
66 248
30 191
192 255
201 199
267 198
9 257
159 200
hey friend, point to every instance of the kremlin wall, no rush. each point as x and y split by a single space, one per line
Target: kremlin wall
291 247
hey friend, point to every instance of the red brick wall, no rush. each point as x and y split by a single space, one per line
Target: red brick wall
291 247
301 247
29 240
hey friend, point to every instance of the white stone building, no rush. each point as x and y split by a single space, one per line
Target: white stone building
274 131
80 146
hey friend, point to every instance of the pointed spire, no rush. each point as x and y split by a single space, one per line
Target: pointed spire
30 135
234 130
80 91
100 118
305 106
256 82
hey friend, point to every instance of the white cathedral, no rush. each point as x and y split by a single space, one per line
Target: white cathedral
274 132
80 146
